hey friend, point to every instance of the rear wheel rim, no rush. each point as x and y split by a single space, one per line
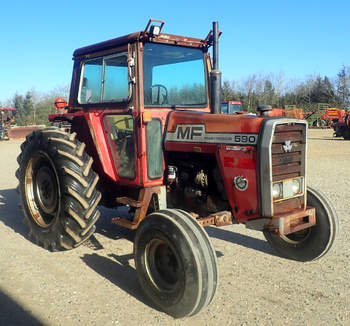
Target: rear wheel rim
46 189
42 190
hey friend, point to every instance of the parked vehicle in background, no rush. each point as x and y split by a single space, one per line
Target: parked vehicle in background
231 107
277 112
6 118
332 115
293 112
289 111
324 116
342 127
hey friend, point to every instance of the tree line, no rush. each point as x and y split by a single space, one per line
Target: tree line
33 107
272 89
278 92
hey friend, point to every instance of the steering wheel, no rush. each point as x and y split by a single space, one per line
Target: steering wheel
121 133
162 94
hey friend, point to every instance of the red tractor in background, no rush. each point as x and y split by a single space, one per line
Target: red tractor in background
231 107
143 128
342 126
6 118
324 116
331 116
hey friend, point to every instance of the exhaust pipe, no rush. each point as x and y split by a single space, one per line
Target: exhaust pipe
215 74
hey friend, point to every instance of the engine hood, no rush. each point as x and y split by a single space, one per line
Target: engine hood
242 129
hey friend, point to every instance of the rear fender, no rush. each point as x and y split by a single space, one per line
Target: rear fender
90 131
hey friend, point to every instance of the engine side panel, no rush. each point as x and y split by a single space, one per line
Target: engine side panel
232 141
238 168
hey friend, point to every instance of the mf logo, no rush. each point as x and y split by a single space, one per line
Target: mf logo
189 131
288 146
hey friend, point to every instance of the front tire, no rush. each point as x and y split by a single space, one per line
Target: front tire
58 189
175 262
314 242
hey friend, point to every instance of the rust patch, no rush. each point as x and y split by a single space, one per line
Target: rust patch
22 132
141 205
292 222
218 219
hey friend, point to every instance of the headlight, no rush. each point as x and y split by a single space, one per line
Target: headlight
291 188
277 190
288 188
296 186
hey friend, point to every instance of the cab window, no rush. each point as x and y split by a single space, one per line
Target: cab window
105 80
122 144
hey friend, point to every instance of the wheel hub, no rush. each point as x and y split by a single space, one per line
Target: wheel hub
162 265
297 237
46 189
41 189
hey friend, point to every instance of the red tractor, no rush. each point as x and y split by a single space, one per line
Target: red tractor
6 118
143 128
231 107
342 126
333 116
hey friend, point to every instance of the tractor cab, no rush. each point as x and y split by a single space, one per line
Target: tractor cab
142 71
128 86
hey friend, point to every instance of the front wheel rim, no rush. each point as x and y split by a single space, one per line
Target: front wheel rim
163 265
297 238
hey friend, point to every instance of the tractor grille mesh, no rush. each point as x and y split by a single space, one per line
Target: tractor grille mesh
288 162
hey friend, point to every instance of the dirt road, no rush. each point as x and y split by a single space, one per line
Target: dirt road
96 284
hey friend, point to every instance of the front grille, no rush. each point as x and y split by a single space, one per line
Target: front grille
289 162
282 155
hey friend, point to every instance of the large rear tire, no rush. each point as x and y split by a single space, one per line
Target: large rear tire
314 242
58 189
175 262
346 133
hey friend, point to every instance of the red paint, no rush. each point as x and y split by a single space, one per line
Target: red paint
240 163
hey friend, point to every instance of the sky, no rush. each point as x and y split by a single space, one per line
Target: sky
291 38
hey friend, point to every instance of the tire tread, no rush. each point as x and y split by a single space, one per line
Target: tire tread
78 187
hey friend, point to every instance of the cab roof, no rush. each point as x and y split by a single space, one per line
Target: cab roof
144 37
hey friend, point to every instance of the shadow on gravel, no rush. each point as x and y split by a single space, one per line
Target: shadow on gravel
11 313
118 271
10 214
240 239
105 227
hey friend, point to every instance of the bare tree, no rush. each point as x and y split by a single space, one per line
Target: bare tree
343 85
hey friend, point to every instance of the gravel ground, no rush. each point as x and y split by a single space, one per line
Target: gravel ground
96 284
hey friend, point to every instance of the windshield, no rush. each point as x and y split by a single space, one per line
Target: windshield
235 107
229 108
173 76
